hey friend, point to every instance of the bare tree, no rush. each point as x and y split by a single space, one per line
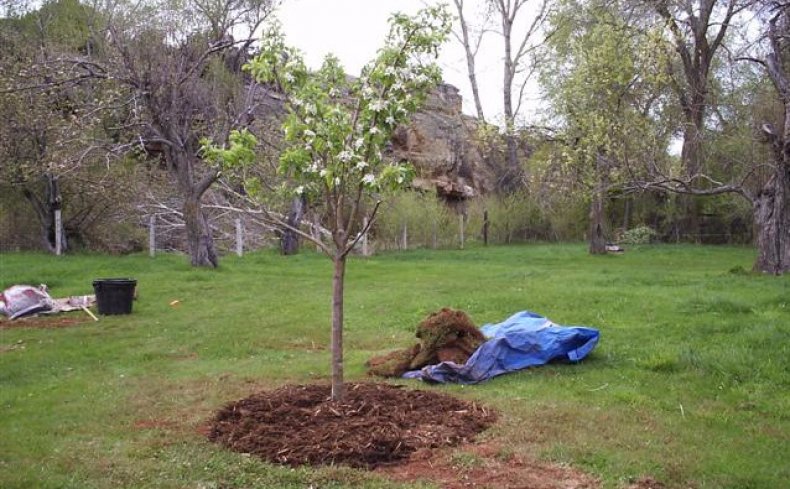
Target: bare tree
771 201
518 65
471 41
43 129
185 84
698 29
177 70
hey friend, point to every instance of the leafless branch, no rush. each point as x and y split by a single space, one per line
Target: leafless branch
268 216
699 184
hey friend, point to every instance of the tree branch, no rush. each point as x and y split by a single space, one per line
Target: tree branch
364 230
688 187
270 218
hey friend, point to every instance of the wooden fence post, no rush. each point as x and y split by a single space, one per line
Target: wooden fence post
461 229
365 250
485 227
239 238
405 236
315 233
152 236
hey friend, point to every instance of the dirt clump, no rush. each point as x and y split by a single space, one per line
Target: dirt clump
447 335
393 364
375 425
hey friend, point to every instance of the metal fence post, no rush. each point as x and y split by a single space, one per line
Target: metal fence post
239 238
58 232
152 236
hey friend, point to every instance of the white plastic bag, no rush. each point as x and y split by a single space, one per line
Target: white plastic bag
22 300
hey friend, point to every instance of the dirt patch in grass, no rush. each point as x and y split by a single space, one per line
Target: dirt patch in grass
377 424
42 322
646 482
486 465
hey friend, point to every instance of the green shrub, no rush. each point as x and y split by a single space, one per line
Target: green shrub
638 235
423 219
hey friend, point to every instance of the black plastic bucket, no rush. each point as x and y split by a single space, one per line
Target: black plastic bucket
114 295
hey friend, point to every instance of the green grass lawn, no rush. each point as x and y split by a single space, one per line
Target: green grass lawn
689 383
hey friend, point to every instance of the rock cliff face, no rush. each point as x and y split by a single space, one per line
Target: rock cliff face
440 142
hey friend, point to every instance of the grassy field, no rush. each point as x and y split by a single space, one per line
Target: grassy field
689 383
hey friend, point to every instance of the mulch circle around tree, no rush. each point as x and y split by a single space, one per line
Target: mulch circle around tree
376 424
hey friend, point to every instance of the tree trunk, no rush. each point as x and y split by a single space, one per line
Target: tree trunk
691 152
511 145
772 220
338 389
45 219
289 242
199 238
691 156
470 59
692 27
45 212
772 204
626 213
596 235
511 172
511 180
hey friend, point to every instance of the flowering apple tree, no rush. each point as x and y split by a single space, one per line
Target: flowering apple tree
336 128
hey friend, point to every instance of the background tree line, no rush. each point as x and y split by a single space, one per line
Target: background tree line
106 103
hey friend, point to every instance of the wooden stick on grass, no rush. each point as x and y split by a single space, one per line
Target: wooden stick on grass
84 308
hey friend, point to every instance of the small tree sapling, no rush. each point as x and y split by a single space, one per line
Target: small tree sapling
336 129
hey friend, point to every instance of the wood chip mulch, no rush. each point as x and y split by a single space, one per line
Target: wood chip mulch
375 425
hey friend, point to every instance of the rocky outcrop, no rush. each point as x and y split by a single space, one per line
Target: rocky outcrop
440 143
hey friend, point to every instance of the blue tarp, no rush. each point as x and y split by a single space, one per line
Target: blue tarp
523 340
